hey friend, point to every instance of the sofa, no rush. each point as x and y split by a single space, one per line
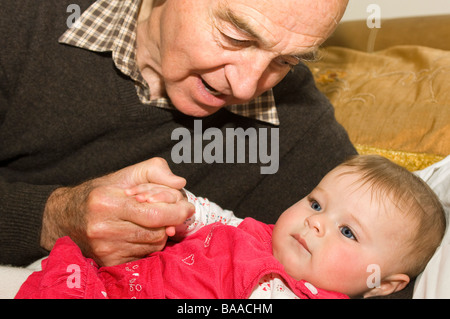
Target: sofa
390 90
390 86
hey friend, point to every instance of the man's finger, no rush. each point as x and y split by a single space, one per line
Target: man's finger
161 197
155 215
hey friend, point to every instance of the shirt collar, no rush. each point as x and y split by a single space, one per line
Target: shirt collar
110 26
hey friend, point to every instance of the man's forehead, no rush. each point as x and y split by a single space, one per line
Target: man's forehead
311 21
278 10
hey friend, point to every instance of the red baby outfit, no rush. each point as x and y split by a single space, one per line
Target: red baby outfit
218 261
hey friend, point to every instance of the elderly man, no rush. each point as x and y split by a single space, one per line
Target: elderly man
79 107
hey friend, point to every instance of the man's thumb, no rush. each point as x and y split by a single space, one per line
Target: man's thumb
158 171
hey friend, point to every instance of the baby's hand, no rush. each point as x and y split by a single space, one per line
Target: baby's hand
155 193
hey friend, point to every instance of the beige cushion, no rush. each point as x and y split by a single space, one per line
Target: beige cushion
429 31
395 100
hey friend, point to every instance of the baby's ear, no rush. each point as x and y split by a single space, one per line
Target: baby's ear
389 285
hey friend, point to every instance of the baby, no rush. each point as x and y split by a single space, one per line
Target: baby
365 230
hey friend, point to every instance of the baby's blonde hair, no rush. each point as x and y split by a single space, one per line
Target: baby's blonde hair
414 198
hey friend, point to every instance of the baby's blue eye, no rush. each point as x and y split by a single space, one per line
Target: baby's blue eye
347 232
315 205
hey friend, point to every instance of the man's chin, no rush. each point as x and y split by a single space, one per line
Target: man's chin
197 110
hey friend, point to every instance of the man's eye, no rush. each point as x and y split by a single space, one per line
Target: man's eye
316 206
347 232
290 62
236 42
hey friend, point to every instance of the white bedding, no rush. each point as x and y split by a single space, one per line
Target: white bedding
11 278
434 282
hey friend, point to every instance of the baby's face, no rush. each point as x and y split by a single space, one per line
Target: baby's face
332 236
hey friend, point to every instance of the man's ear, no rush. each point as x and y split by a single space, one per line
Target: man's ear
389 285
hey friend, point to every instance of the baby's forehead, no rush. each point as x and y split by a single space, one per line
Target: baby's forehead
343 176
355 183
357 179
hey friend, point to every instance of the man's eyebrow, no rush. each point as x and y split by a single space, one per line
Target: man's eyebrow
226 14
311 56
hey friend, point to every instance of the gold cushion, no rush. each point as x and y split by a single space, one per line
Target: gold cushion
429 31
397 99
411 161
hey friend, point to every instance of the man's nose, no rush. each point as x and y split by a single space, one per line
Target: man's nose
316 224
247 77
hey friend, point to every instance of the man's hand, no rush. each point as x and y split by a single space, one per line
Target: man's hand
156 193
107 223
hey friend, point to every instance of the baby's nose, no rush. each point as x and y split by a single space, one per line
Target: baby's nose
315 224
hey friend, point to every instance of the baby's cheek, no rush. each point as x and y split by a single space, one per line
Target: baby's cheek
345 270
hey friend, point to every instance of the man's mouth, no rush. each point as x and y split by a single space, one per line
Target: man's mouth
210 89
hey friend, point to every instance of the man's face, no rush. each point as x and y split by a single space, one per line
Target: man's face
214 53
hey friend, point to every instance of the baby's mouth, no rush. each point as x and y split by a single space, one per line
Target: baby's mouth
302 242
210 89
